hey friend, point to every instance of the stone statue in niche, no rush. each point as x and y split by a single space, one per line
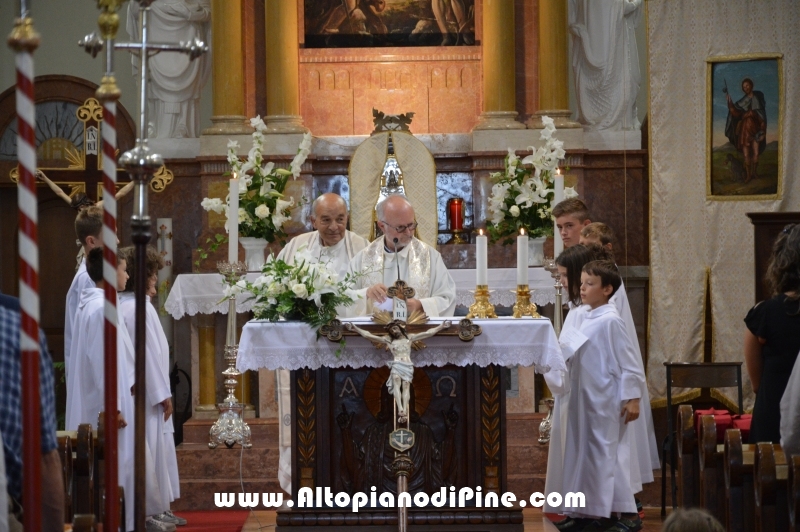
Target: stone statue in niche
173 97
368 462
605 62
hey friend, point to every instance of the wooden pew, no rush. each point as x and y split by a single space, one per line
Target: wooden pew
65 453
770 474
712 477
739 458
793 487
83 489
99 470
83 523
688 464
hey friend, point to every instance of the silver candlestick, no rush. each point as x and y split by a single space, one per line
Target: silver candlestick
230 428
546 424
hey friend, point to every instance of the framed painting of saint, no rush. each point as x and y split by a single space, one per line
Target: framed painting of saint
381 23
743 128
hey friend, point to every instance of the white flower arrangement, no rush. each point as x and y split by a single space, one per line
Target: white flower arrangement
263 209
522 195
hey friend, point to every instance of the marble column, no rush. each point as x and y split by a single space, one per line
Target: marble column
499 94
227 69
553 65
283 68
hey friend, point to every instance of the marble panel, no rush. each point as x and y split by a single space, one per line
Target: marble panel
526 36
390 101
452 109
453 185
338 184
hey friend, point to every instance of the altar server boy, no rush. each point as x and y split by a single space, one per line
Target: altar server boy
86 385
606 383
158 414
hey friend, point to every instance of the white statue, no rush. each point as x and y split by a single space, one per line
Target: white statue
401 368
605 62
173 95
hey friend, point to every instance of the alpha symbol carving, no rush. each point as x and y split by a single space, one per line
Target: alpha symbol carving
349 388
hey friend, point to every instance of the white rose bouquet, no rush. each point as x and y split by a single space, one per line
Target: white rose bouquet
304 290
522 196
263 209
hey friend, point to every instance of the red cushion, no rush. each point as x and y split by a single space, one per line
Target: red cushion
722 418
743 424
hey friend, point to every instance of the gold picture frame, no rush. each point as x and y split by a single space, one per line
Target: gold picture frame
744 126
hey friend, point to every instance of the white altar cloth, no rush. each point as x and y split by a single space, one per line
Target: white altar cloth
201 293
504 341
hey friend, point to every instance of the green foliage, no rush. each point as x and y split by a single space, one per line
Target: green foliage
213 246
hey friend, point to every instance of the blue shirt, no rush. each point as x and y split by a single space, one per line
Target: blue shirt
11 394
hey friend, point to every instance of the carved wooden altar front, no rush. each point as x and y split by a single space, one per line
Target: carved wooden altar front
342 418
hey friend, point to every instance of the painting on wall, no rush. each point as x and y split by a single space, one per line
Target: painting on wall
381 23
745 110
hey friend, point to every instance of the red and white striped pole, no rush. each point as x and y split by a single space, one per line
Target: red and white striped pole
24 40
108 93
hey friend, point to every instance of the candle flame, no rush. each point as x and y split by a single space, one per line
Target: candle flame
480 232
522 231
558 171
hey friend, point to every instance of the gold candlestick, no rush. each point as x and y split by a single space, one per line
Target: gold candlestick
523 306
481 308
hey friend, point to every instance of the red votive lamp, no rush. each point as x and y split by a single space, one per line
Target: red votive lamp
455 209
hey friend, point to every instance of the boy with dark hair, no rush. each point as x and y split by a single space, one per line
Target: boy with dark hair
571 216
89 230
606 386
598 233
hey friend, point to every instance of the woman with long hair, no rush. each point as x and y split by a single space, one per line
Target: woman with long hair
771 339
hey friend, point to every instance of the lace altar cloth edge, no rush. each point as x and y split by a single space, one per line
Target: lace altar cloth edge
505 342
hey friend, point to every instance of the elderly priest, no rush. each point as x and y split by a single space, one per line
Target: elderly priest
420 265
330 242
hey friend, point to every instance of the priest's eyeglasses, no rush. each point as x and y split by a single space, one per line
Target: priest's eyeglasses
402 228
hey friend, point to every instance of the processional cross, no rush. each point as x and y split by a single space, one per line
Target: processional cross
141 163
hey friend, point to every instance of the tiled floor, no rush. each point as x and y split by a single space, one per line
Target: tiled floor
534 521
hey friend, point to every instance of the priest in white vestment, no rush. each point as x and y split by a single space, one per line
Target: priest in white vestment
329 242
420 265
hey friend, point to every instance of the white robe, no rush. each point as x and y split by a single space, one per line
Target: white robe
159 432
79 282
644 456
86 388
339 255
441 299
790 414
604 374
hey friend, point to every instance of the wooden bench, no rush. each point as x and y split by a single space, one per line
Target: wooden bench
739 458
65 453
712 475
770 474
688 464
83 488
793 486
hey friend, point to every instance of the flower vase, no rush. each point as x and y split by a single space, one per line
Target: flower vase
536 251
253 252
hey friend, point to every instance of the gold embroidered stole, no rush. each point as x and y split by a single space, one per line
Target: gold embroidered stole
419 266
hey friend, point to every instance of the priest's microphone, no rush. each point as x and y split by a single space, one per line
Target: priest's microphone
396 259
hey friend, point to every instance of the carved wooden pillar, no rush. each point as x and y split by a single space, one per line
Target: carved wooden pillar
499 94
283 68
553 64
227 69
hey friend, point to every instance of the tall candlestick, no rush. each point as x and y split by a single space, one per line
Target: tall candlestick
233 220
558 197
522 258
481 259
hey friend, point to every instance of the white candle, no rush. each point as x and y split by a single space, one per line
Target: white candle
481 259
522 258
558 197
233 220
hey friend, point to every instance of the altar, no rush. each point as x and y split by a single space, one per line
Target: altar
341 416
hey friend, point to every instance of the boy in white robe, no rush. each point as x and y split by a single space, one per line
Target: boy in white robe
89 230
158 421
86 387
605 390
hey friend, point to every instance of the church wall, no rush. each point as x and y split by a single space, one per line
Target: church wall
61 25
697 241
